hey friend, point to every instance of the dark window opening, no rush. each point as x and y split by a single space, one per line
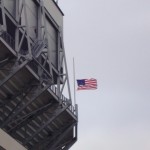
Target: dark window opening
1 20
10 28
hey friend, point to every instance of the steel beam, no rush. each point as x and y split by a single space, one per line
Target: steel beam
3 15
11 115
55 145
36 95
19 93
4 62
14 72
51 138
57 113
29 117
40 65
27 29
24 92
46 34
17 29
65 62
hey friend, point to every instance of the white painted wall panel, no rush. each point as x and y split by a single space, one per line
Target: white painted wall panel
32 18
9 143
54 11
10 5
52 37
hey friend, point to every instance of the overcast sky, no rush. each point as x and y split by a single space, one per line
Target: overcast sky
110 41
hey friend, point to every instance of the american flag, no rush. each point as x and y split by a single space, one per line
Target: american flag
87 84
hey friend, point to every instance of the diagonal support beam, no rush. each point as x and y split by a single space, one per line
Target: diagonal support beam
36 95
14 72
4 62
55 145
57 113
13 111
19 93
3 14
46 141
29 117
27 28
42 68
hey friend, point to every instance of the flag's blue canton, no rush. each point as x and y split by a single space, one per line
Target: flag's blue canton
81 82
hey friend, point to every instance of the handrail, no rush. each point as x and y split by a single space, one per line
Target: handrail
10 41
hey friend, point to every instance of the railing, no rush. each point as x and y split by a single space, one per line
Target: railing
71 107
65 100
35 65
10 41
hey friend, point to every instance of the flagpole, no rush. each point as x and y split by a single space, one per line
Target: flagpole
74 81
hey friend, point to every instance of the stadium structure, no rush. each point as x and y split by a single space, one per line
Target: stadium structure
36 109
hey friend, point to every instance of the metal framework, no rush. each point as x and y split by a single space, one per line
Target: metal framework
33 108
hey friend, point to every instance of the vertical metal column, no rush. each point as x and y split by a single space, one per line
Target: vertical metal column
65 64
4 27
59 66
17 29
46 34
27 29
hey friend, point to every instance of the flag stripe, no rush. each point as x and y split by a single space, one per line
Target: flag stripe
87 84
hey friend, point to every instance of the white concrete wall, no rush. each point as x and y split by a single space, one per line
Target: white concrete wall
10 5
8 143
54 11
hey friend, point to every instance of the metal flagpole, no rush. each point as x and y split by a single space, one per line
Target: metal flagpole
74 81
